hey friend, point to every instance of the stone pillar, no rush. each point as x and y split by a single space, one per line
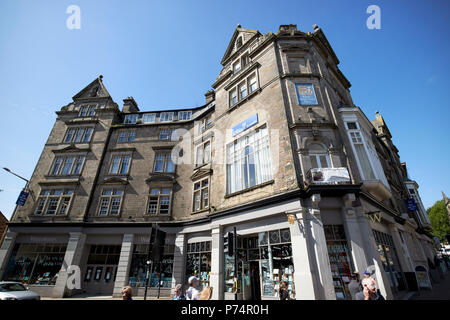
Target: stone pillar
179 261
352 219
303 273
123 268
403 258
72 257
6 250
319 249
216 276
373 259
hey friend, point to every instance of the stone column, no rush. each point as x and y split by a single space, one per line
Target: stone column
179 261
123 268
351 219
373 258
319 249
72 257
403 258
216 276
6 250
303 273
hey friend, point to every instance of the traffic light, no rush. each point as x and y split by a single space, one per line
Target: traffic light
158 245
228 244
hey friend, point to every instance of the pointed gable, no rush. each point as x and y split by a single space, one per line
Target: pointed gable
95 89
239 38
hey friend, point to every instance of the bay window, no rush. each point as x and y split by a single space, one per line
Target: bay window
248 161
360 150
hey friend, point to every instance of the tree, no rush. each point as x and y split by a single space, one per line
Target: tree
439 220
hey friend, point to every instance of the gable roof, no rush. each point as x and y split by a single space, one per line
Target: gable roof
88 91
239 30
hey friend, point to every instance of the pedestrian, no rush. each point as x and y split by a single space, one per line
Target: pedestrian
193 293
284 291
127 293
355 285
179 293
371 291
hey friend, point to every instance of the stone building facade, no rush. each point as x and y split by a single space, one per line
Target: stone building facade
278 151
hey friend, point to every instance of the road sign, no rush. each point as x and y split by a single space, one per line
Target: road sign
23 196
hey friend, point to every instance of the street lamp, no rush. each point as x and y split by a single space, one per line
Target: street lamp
23 190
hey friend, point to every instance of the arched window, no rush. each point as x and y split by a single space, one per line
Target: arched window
319 156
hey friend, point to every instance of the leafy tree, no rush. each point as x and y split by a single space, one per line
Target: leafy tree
439 220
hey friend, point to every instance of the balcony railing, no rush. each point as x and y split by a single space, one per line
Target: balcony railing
328 176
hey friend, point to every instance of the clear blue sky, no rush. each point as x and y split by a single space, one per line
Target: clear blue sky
167 54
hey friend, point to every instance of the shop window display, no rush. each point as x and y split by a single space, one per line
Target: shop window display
198 261
389 259
273 251
35 264
340 263
138 267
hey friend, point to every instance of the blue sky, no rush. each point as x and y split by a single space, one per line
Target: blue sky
167 54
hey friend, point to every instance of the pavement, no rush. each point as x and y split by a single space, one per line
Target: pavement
440 291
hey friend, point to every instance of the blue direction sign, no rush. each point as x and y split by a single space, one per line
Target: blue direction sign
244 125
411 204
23 196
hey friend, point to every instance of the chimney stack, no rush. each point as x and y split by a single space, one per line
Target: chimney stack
129 105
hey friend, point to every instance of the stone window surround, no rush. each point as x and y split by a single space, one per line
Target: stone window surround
89 109
64 156
72 140
202 209
121 155
101 196
44 209
158 214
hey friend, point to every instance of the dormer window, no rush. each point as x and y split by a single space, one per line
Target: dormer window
87 111
166 116
130 118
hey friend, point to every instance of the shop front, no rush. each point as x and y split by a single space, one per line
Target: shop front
340 260
264 261
390 261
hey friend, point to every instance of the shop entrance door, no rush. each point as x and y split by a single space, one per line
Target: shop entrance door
255 281
99 279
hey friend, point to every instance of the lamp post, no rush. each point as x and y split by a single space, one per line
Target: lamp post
24 189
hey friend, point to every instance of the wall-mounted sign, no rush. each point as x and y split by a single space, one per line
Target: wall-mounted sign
23 196
411 204
306 94
244 125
